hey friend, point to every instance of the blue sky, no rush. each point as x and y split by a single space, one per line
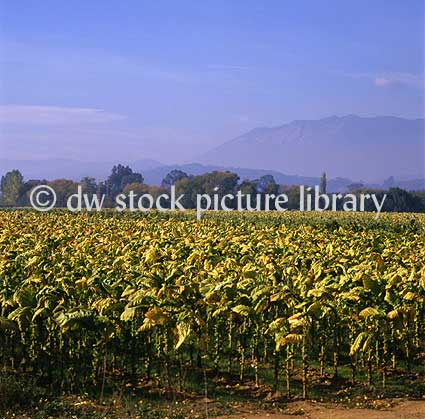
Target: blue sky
97 80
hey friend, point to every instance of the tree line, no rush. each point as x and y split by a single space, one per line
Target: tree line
15 191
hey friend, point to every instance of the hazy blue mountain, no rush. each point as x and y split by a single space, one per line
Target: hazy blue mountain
411 185
351 149
349 146
154 176
153 173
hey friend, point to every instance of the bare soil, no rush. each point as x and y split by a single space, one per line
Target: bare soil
311 410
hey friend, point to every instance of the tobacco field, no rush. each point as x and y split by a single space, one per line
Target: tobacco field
90 301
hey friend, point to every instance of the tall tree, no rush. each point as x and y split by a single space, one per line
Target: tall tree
11 187
220 183
266 184
173 177
89 185
323 183
120 177
63 188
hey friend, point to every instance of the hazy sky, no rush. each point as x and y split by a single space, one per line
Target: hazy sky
106 80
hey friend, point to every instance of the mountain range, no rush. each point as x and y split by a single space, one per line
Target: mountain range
153 173
350 146
350 149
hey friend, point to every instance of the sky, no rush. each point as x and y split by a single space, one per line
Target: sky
168 80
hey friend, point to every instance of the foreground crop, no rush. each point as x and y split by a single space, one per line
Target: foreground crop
287 300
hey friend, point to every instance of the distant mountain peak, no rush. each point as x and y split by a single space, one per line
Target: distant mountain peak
350 146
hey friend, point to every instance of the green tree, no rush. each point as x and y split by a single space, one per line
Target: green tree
89 185
63 188
267 185
11 188
120 177
323 183
140 189
173 177
220 183
400 200
293 194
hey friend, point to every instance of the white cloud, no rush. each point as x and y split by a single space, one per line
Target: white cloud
382 81
54 115
390 79
399 79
